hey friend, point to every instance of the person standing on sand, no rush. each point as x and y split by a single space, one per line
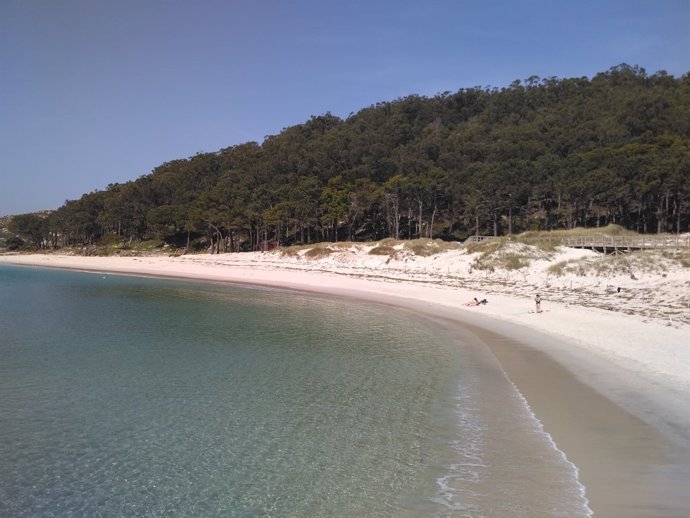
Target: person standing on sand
537 301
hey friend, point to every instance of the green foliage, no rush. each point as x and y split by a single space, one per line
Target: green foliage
6 235
539 155
112 240
14 243
30 228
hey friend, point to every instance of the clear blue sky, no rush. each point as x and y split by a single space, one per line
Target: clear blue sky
94 92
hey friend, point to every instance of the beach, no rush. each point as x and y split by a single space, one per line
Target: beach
607 374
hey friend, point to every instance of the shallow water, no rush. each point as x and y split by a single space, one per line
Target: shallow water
123 396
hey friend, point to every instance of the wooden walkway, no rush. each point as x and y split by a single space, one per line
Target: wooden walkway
622 244
612 244
478 239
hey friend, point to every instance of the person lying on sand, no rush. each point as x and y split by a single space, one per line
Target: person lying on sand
475 302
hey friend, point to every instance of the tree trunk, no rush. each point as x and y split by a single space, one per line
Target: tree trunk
409 222
419 221
431 223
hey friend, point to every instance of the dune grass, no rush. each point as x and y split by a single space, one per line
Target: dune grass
504 254
389 247
314 250
608 230
628 264
514 252
429 247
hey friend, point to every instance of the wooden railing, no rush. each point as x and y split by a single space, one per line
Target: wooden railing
629 242
477 239
619 243
611 243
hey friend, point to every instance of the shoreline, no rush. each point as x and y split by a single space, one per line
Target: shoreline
619 418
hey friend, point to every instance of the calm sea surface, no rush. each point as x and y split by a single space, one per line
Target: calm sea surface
123 396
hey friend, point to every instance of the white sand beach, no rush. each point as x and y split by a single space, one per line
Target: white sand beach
606 370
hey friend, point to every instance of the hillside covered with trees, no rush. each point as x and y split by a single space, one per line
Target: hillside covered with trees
539 154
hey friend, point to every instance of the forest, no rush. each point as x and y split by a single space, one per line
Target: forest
539 154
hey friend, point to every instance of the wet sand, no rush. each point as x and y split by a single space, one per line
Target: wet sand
628 467
631 448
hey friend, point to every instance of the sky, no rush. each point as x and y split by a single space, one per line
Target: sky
94 92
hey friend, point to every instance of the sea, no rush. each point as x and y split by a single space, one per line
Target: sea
126 396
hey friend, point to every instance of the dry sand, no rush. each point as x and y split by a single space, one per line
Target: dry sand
607 373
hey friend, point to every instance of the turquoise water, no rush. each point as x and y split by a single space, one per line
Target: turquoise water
124 396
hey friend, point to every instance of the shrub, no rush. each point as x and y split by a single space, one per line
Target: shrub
15 243
514 262
504 254
429 247
291 251
558 268
383 250
485 247
109 240
389 241
318 252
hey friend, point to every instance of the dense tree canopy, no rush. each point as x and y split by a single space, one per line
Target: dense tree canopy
539 154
